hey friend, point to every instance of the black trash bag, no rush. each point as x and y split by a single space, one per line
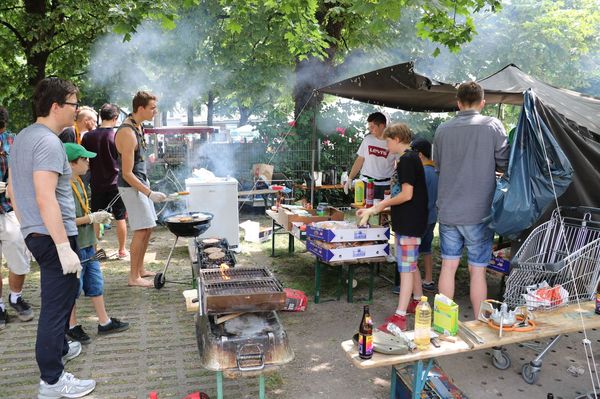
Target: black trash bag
537 171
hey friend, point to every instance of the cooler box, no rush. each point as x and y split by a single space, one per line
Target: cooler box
219 197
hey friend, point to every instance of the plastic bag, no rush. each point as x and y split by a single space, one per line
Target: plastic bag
526 189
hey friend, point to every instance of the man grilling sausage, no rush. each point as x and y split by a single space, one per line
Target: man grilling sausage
134 186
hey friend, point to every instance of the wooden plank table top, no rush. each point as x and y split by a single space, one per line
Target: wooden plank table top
257 192
564 320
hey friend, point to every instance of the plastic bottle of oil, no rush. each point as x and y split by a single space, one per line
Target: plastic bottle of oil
359 193
423 324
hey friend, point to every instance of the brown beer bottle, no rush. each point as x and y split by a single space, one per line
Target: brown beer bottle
365 335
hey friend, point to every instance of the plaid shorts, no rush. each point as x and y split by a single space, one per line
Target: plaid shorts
407 253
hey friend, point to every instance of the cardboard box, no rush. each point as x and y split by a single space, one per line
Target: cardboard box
438 385
295 300
445 316
499 264
286 217
254 233
299 230
322 232
328 254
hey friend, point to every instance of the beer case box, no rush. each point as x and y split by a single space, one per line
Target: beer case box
286 217
499 264
445 315
329 232
295 301
324 252
438 386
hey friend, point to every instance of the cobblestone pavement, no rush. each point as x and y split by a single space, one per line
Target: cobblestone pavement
158 352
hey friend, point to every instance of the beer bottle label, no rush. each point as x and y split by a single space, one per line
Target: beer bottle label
365 345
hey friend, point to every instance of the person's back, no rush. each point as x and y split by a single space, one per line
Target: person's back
468 150
104 168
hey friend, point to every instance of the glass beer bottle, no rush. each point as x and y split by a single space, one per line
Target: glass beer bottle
365 335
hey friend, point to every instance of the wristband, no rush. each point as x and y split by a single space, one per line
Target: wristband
149 192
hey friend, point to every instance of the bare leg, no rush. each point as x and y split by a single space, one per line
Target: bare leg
143 271
137 250
446 283
428 266
73 317
121 234
417 289
98 302
406 289
15 282
478 289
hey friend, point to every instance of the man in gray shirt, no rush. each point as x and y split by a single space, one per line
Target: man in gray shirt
468 150
41 195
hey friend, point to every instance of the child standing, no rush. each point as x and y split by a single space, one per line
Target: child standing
91 280
409 219
423 146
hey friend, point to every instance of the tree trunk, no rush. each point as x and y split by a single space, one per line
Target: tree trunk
244 115
190 114
210 106
37 64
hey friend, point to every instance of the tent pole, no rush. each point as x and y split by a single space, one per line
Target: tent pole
313 152
500 111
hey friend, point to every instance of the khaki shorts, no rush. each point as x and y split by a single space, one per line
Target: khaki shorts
140 209
12 244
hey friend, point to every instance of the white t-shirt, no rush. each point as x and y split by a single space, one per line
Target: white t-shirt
379 162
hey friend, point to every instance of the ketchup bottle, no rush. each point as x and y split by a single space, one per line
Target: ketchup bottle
370 193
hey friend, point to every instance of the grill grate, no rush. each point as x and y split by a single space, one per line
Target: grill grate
242 287
237 273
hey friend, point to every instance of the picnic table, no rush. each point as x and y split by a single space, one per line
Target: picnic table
553 323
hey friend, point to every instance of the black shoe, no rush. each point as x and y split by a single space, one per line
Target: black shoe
24 312
3 319
77 334
114 326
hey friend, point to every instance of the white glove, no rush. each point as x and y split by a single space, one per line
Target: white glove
157 196
2 187
100 217
364 215
68 258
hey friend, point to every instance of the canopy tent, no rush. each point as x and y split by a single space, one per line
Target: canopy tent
574 118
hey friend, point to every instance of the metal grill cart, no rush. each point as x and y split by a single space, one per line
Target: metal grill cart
558 264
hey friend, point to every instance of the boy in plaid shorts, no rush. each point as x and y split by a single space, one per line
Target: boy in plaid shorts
409 219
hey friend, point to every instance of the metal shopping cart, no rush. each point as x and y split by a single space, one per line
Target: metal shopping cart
559 263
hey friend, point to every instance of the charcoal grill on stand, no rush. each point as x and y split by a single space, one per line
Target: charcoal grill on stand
190 224
249 344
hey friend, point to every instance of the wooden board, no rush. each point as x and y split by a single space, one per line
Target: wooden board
563 320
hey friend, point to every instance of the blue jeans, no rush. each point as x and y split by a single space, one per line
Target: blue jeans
477 238
426 240
91 280
58 292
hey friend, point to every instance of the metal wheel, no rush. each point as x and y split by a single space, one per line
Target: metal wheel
529 374
501 360
159 281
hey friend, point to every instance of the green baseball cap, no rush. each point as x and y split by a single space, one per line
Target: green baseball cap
75 151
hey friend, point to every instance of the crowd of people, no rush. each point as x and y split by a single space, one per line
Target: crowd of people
46 213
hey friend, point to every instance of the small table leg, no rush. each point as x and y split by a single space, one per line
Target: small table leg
394 380
340 276
350 282
317 280
290 243
261 387
272 238
421 375
219 385
371 280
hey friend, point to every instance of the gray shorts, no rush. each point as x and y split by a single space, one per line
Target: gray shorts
140 209
12 244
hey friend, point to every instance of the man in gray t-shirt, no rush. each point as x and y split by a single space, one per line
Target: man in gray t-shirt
40 191
468 150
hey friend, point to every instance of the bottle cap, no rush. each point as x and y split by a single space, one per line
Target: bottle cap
423 298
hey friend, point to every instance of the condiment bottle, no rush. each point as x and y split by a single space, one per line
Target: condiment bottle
365 335
370 193
359 193
423 324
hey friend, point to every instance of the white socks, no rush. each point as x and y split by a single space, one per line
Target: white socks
14 296
400 313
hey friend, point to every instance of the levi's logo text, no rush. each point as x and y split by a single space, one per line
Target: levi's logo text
378 151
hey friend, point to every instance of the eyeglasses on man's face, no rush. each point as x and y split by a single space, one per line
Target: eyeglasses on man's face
76 105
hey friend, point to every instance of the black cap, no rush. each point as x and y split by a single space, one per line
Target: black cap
422 145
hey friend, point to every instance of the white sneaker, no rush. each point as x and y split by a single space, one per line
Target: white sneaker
74 351
67 386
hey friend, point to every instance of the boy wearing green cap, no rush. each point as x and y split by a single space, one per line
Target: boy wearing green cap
91 280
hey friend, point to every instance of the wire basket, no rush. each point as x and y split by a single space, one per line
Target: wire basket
558 263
